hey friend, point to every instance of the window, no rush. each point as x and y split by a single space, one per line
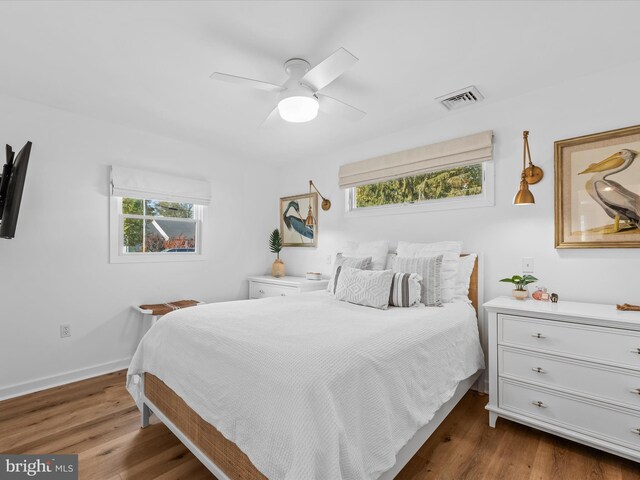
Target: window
452 187
152 226
155 217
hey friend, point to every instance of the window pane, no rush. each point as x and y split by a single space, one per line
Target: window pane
132 206
157 208
449 183
170 236
133 233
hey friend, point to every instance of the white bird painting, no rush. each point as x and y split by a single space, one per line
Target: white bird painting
617 201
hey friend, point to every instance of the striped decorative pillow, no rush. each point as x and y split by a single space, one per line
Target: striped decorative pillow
429 269
405 290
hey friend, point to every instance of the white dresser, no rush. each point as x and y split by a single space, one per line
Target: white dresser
572 369
266 286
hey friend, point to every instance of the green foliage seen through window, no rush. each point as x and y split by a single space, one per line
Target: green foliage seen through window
453 182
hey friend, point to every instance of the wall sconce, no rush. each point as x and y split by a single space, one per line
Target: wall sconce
530 176
326 205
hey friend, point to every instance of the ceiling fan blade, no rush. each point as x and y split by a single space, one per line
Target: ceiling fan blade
248 82
329 69
272 119
335 107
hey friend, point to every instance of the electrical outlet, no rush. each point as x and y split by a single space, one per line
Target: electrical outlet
527 265
65 330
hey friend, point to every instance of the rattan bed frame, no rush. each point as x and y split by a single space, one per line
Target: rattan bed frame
226 461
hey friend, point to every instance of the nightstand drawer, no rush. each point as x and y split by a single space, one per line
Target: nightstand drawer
621 347
615 425
263 290
607 383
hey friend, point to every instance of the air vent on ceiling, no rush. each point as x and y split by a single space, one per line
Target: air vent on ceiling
461 98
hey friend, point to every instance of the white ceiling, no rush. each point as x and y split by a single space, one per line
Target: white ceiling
147 65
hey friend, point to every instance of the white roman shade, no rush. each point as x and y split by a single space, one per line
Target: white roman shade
134 183
460 151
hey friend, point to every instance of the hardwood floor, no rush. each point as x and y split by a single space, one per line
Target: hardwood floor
98 420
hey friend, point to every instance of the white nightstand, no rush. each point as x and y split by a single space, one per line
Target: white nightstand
263 286
567 368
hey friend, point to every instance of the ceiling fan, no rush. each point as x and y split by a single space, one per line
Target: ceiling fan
298 98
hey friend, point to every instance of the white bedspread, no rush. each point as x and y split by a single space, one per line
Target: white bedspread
310 387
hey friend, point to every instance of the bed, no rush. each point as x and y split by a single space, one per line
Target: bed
306 386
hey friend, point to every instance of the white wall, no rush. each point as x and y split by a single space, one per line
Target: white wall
503 233
56 270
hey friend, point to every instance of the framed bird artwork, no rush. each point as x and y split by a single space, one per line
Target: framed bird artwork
597 190
294 228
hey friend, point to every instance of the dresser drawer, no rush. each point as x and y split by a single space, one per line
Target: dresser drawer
607 383
263 290
617 426
612 345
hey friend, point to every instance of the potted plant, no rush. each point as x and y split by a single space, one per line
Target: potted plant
520 282
275 245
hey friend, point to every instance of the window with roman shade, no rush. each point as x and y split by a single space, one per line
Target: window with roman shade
450 174
155 217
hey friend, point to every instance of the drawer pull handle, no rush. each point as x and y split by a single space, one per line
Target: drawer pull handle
283 294
540 404
635 390
539 335
540 370
636 350
261 292
636 431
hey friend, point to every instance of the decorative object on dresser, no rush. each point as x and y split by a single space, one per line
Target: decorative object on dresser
628 307
293 227
275 245
520 282
263 286
593 210
568 368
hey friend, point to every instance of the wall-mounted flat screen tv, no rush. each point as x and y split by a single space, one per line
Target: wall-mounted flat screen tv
14 173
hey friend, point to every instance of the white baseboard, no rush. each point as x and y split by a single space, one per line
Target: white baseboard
18 389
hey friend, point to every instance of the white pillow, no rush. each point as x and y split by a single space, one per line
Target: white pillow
341 261
377 250
465 269
450 252
369 288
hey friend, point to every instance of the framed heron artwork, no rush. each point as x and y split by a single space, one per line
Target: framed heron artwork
294 211
597 190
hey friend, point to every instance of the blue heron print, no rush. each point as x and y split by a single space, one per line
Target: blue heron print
295 221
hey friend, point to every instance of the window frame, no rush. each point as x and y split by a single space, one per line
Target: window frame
116 237
485 199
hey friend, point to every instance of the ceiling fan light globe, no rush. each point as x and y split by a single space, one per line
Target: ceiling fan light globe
298 109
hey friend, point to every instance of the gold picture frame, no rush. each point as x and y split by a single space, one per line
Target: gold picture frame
597 183
293 213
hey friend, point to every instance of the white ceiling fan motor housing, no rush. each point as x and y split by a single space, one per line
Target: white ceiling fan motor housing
297 102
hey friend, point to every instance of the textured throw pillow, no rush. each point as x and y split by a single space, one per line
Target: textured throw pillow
377 250
465 269
405 290
429 269
369 288
341 261
450 252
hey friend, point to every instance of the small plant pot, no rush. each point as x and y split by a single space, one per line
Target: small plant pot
277 269
520 294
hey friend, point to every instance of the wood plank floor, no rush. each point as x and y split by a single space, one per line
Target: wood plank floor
98 420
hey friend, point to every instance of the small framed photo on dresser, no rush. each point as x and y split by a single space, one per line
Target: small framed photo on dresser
597 190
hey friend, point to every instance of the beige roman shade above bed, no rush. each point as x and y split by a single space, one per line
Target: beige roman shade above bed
460 151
